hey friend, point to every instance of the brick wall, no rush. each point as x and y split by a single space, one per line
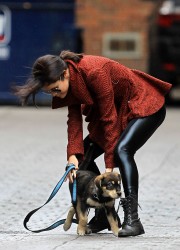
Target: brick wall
98 17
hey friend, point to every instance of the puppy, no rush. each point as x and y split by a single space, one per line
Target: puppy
95 192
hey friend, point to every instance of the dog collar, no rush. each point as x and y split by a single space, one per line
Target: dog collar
95 193
95 196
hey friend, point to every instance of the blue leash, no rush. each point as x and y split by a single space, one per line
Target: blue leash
54 192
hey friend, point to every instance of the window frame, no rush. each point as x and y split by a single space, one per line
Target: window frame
122 36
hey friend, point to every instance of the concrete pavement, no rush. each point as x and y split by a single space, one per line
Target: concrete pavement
32 160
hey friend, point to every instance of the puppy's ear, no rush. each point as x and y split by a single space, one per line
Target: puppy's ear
98 180
118 175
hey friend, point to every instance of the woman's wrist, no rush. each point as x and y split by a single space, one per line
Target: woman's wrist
73 159
109 170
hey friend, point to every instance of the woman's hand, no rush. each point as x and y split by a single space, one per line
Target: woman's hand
109 170
72 174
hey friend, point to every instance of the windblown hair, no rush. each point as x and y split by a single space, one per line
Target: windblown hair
46 70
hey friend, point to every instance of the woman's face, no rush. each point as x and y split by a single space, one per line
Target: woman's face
58 88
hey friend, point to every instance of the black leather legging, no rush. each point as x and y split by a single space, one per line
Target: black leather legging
133 137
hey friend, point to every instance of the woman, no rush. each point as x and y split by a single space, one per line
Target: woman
123 107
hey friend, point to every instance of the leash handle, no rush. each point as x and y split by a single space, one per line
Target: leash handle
54 192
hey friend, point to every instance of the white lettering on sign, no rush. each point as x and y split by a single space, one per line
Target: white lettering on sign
2 21
4 53
5 32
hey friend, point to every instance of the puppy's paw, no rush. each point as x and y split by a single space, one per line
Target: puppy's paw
88 230
69 219
81 230
116 233
115 230
120 233
66 225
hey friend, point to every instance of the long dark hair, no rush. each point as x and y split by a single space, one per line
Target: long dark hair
46 70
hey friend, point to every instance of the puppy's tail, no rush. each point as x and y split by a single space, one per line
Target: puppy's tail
69 219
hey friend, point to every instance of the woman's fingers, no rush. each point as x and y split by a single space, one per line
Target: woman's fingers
72 175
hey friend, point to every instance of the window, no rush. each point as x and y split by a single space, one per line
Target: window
122 45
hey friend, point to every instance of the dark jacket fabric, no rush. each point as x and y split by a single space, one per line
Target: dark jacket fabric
109 95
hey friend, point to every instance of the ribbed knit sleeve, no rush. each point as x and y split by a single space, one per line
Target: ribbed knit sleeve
75 131
101 86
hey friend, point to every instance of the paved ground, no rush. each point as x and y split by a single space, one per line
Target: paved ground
32 159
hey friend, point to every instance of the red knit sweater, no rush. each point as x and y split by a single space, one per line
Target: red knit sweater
109 95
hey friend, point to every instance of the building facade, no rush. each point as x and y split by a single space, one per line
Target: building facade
118 29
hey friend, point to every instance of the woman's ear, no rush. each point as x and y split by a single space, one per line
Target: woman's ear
66 73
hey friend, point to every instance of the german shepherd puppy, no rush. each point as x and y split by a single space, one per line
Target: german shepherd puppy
95 191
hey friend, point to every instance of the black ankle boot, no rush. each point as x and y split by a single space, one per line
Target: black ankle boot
132 225
99 222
